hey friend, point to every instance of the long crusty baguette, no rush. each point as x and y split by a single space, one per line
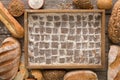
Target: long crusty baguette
114 63
12 25
8 64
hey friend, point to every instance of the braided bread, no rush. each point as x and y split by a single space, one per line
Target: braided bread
114 24
9 58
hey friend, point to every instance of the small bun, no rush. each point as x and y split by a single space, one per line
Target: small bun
16 8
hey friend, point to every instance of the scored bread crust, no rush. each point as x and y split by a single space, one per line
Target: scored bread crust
81 75
8 64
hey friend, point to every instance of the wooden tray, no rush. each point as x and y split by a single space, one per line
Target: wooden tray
64 39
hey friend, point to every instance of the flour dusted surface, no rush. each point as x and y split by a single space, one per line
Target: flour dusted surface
64 38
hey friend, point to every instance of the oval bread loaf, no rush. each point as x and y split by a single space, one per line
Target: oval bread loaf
9 58
80 75
114 23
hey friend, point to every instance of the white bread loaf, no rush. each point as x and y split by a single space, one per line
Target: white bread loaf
12 25
114 23
114 63
80 75
9 58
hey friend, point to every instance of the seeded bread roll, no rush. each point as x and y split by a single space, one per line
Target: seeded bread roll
53 74
16 8
82 4
9 58
80 75
114 23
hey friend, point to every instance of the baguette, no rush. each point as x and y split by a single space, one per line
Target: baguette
8 64
12 25
114 63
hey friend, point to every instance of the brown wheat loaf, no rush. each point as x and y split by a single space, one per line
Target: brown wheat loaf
114 23
9 58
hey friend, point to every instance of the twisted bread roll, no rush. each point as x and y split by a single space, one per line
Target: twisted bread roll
9 58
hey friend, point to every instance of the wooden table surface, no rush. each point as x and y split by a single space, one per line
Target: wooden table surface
55 4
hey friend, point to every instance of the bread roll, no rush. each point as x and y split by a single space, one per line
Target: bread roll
80 75
9 58
12 25
114 63
53 74
114 23
16 8
82 4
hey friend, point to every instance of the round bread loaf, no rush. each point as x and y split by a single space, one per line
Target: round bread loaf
9 58
114 24
53 74
16 8
80 75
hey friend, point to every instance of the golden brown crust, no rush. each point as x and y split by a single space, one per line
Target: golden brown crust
12 25
117 76
80 75
114 63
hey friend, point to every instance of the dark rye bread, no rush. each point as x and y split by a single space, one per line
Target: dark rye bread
9 58
82 4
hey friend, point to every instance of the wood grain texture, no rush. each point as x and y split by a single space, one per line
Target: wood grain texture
54 4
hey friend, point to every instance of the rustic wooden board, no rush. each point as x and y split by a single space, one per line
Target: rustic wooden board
60 20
